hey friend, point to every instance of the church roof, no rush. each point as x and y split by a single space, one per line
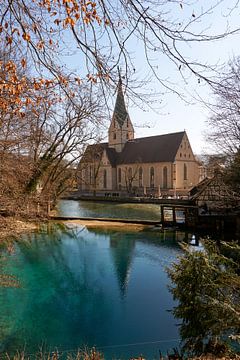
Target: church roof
120 112
160 148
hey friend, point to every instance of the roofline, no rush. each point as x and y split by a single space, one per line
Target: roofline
149 137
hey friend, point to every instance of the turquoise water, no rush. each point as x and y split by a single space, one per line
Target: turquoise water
109 209
91 287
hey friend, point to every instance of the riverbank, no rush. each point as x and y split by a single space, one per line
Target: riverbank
11 227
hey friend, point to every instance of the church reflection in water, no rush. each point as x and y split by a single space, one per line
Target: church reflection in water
122 248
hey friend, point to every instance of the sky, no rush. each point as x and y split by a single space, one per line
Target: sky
169 112
191 115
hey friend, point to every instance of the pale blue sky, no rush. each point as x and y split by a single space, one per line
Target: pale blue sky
173 114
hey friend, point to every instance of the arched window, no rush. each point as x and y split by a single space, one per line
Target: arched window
130 173
140 176
130 179
165 177
152 177
114 136
184 172
119 175
105 179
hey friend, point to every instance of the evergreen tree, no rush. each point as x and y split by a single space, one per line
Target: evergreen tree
207 287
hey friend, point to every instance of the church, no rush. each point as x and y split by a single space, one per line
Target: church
156 166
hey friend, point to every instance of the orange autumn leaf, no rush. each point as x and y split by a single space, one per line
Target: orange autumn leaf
9 40
40 45
26 37
69 21
23 63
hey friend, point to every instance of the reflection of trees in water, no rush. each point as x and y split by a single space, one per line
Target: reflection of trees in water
110 209
67 284
62 291
7 282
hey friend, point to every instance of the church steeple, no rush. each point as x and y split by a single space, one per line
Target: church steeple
120 112
121 128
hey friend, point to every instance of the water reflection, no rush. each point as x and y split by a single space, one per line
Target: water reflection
109 209
94 287
122 249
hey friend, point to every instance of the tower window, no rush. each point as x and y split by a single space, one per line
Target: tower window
114 136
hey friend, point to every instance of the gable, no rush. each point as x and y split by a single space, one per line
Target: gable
99 152
185 151
93 153
213 189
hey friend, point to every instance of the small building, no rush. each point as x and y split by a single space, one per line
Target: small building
214 195
157 166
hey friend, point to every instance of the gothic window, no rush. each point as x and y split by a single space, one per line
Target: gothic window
130 173
127 136
130 179
105 179
114 136
152 177
119 175
165 177
184 172
140 176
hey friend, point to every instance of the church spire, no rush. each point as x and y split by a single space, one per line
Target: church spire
121 128
120 112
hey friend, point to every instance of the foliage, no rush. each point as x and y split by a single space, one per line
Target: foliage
207 287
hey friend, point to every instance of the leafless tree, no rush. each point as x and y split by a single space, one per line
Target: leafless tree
47 143
103 35
224 123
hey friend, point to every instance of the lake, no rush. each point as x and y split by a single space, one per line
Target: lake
90 287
